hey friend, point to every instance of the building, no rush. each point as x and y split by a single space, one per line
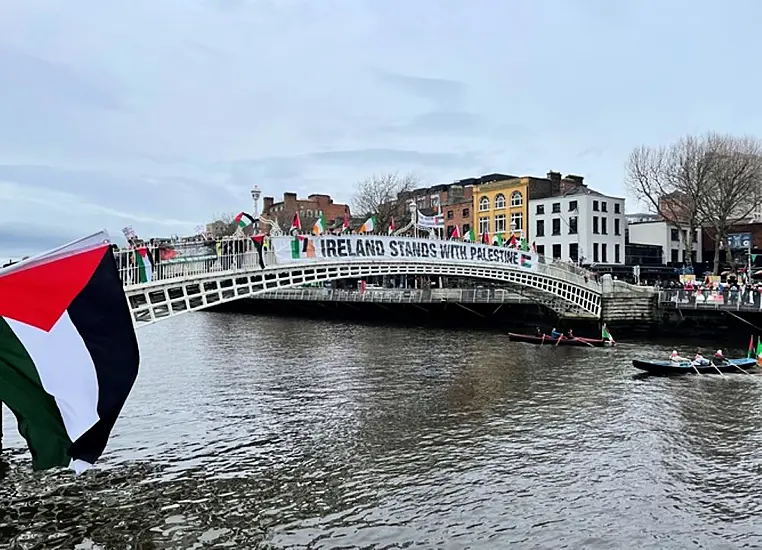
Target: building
309 209
501 206
457 208
669 237
579 225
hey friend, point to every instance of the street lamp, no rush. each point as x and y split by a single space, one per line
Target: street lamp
256 192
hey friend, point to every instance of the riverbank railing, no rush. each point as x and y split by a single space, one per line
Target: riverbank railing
750 300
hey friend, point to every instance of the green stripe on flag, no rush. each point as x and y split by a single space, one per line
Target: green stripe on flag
21 390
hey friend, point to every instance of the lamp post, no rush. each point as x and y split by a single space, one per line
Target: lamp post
514 229
256 192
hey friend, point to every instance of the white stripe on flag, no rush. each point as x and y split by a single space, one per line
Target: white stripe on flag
66 370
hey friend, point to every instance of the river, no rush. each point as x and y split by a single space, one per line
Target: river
259 432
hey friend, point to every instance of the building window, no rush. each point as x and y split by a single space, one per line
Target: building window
617 208
604 225
616 226
574 252
539 228
556 207
465 213
595 252
434 201
517 221
556 251
483 225
540 209
604 206
541 249
500 223
595 206
499 201
450 214
617 257
675 256
675 235
573 225
466 229
604 259
450 229
483 204
595 224
516 199
572 206
556 227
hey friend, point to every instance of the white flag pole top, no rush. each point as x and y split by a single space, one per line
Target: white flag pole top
84 244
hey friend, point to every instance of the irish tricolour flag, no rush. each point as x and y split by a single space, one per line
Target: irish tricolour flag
369 226
318 228
68 352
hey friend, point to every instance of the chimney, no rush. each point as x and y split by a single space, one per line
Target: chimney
554 176
571 182
267 204
289 198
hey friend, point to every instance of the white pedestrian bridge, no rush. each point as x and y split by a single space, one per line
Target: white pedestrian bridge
184 277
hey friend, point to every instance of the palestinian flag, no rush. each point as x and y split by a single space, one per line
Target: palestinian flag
68 352
759 351
391 226
512 242
524 244
605 334
369 226
455 233
296 223
345 224
751 351
243 220
318 228
470 236
144 265
525 261
302 247
498 240
485 237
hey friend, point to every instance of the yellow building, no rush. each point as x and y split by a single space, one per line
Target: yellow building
500 208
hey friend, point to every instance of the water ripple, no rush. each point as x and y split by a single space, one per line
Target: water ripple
278 433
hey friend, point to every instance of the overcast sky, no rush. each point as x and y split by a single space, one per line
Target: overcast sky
160 113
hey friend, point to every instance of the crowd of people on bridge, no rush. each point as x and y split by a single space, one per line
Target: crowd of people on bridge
709 291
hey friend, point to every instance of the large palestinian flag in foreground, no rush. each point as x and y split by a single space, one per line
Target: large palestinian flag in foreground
68 352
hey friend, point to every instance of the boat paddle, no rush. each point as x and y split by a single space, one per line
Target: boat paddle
584 342
718 370
694 368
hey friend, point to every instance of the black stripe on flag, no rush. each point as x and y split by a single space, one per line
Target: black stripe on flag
101 315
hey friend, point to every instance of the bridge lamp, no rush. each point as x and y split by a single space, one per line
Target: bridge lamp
256 192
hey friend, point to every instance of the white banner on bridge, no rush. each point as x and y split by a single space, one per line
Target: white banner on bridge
353 248
433 222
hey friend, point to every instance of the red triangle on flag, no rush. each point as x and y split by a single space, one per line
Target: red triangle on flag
41 293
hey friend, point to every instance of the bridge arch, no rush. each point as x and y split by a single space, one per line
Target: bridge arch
161 299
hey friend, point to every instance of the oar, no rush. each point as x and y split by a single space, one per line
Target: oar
694 368
584 342
718 370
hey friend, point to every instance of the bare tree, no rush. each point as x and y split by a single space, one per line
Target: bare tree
378 196
223 224
673 181
735 191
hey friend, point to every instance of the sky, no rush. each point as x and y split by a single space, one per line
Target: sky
161 115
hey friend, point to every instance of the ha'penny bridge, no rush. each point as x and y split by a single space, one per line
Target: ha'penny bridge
189 277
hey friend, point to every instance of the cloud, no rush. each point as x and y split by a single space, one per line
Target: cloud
442 91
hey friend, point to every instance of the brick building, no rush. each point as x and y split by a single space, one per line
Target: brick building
457 208
309 209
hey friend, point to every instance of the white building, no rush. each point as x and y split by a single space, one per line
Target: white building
670 237
580 225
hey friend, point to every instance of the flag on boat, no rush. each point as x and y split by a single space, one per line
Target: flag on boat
68 352
318 228
605 334
759 351
144 264
751 351
369 226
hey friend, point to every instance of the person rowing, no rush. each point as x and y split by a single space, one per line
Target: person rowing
700 360
555 334
719 358
675 358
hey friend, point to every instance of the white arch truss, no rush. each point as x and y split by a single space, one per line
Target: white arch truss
162 299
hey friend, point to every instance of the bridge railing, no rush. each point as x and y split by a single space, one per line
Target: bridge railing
711 299
398 295
231 255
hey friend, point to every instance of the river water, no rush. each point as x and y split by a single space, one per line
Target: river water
257 432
